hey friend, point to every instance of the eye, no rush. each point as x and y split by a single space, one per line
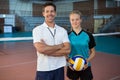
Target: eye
72 19
77 19
52 10
47 11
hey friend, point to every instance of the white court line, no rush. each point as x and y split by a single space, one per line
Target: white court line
16 38
115 78
6 66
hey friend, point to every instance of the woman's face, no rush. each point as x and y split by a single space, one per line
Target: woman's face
75 20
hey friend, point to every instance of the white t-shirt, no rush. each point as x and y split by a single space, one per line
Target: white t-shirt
51 36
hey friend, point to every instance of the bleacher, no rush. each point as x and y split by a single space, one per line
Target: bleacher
30 22
112 25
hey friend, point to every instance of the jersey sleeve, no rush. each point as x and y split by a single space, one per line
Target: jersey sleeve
92 41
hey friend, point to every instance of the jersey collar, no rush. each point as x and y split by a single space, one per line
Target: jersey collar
76 33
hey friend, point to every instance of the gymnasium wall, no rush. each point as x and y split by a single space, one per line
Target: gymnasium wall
20 8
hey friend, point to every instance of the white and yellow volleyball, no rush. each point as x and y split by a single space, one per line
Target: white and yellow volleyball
77 62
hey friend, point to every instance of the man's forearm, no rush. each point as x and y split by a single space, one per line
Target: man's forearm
51 49
55 50
61 52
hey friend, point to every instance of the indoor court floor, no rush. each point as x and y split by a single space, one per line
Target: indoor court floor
18 62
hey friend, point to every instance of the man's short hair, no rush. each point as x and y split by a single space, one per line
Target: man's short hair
48 4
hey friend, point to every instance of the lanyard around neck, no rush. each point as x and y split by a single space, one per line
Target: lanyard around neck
51 32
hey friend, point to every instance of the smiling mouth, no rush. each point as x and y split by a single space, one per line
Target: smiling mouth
50 16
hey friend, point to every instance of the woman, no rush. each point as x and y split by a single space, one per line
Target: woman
82 43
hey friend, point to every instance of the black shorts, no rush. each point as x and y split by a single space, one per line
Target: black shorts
83 75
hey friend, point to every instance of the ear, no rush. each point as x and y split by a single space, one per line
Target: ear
55 14
81 20
43 13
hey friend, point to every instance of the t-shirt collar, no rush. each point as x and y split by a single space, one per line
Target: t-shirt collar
48 26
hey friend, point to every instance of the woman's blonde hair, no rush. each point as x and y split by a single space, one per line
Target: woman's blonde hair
76 12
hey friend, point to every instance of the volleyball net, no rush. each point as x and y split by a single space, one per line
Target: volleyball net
30 38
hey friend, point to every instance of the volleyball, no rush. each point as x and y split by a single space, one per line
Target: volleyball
77 62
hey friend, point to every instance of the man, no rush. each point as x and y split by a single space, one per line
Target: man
52 45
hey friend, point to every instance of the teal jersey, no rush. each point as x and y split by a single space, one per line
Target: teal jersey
81 43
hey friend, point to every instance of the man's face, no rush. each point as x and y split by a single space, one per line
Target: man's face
49 13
